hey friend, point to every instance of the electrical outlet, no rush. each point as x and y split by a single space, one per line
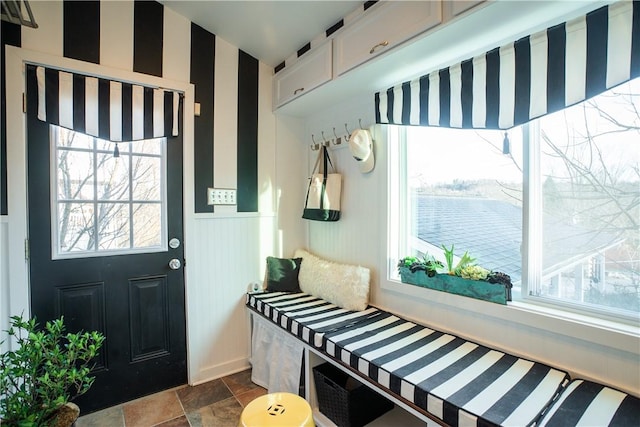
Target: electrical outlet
221 196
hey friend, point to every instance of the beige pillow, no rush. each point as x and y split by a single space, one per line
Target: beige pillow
344 285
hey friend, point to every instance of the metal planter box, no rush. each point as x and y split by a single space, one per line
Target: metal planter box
478 289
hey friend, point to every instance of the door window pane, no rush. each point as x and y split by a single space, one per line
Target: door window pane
146 183
122 210
76 226
113 226
70 139
75 175
113 176
145 226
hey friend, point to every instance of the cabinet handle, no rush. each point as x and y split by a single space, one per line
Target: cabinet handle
383 44
297 91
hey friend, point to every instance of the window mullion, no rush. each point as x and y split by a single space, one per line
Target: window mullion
531 211
96 227
130 177
397 195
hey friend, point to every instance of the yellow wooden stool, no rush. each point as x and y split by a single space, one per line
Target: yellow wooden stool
277 409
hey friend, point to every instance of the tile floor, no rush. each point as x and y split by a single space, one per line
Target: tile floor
215 403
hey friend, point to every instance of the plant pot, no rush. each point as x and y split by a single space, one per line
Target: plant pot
478 289
67 415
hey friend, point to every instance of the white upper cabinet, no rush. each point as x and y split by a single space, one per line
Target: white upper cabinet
382 28
453 8
309 72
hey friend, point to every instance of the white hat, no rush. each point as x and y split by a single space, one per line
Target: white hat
361 146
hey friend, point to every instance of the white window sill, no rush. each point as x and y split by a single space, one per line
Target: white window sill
608 333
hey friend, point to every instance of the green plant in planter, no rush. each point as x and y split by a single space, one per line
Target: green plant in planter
464 278
47 370
427 263
464 261
500 278
473 272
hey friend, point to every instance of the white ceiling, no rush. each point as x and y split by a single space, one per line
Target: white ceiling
267 30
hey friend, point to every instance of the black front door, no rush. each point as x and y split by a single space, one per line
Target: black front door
102 236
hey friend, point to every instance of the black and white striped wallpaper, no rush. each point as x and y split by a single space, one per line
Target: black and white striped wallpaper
11 36
536 75
146 37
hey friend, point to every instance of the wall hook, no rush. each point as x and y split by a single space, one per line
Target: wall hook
360 123
338 141
324 140
315 146
348 137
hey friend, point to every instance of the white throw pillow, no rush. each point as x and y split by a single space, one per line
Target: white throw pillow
344 285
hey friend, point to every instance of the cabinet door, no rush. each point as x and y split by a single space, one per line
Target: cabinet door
453 8
382 28
309 72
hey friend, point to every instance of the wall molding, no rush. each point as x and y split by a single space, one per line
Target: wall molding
221 370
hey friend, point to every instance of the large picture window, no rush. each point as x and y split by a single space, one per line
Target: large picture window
556 206
104 204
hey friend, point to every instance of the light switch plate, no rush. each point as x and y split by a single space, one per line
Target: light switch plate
221 196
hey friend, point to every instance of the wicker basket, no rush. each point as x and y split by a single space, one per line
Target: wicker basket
345 401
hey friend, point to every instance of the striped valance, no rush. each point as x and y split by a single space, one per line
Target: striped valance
534 76
107 109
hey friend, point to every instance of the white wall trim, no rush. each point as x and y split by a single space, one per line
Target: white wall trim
233 215
221 370
615 335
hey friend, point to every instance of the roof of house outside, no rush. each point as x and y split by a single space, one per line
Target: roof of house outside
491 230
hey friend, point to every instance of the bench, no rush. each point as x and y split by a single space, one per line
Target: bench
450 379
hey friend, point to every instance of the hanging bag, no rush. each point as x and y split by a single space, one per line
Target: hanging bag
323 194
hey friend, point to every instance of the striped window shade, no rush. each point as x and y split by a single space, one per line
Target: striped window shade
536 75
107 109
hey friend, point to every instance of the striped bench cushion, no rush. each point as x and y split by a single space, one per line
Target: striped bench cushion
585 403
457 381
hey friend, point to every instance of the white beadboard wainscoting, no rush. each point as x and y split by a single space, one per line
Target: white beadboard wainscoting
358 236
226 255
4 279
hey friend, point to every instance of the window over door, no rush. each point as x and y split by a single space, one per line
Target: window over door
105 204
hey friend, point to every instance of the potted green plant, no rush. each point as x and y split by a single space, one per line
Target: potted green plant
48 369
427 263
464 278
465 261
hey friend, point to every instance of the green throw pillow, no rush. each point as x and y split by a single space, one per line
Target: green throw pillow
282 274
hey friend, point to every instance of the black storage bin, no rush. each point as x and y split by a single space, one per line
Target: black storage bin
344 400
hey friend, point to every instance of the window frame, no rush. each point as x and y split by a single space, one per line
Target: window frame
129 201
531 265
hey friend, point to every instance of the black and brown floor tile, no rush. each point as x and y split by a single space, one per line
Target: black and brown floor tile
215 403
